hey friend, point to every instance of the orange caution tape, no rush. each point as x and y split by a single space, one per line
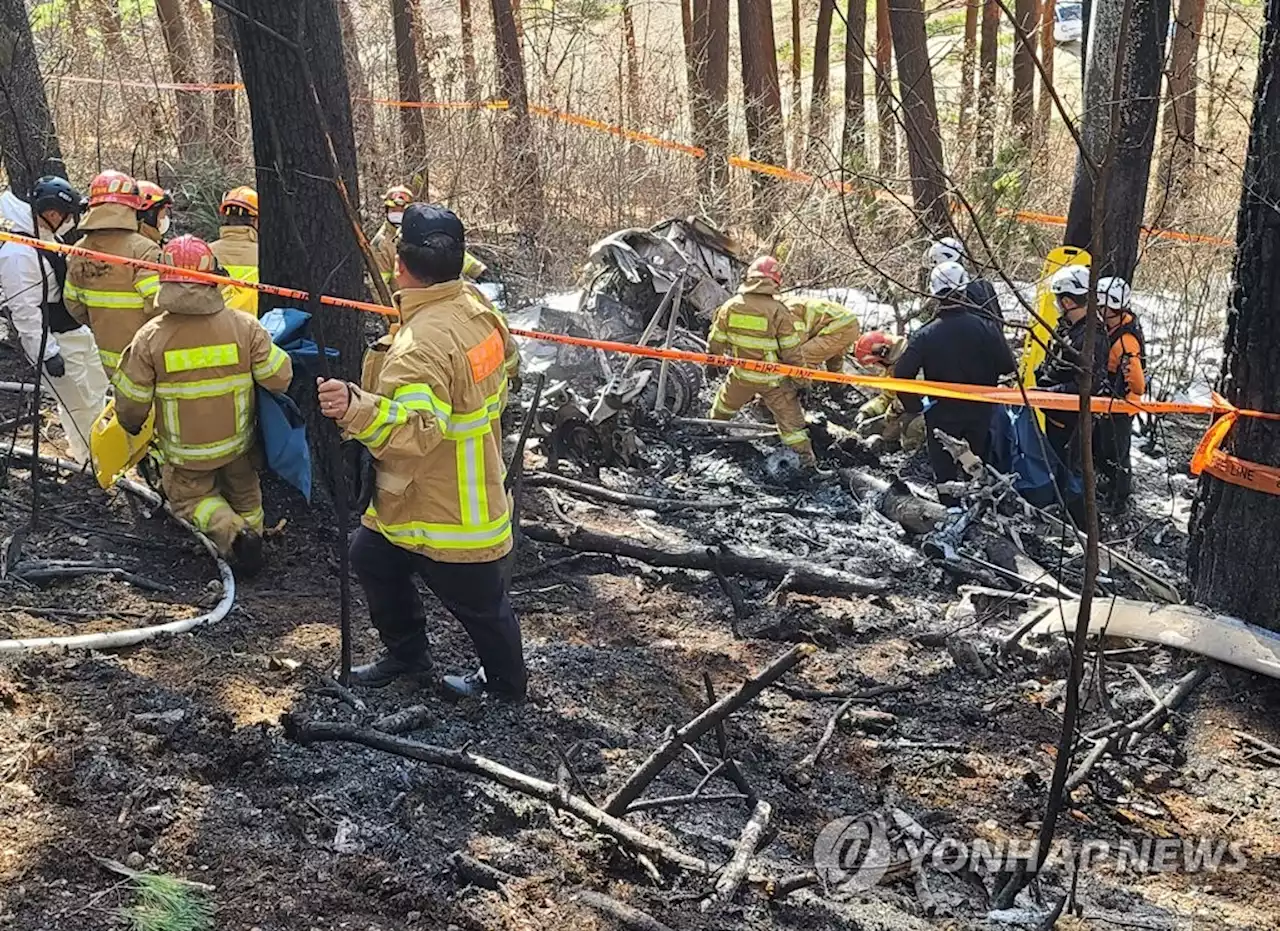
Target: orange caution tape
1225 467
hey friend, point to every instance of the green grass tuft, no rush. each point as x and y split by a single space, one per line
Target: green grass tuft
165 903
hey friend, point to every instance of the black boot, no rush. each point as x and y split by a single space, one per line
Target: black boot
246 549
389 667
476 684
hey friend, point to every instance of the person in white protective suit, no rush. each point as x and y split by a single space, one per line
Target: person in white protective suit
31 284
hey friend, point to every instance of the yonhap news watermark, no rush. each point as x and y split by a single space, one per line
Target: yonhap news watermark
860 851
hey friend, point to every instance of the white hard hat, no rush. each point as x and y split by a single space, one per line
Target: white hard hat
948 249
947 277
1114 293
1073 280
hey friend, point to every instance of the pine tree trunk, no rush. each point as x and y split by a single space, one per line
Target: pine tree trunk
853 145
762 99
1024 68
226 127
517 129
968 59
989 50
819 103
1177 147
1119 128
633 62
920 114
886 127
28 140
364 121
287 134
1044 110
108 17
709 100
797 86
1233 529
413 135
193 122
471 89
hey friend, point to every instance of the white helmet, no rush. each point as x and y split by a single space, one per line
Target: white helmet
948 249
947 277
1114 293
1073 280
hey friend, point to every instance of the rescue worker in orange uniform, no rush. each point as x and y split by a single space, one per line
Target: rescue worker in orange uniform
1126 378
198 364
754 324
153 215
884 415
428 411
829 329
236 248
394 203
114 300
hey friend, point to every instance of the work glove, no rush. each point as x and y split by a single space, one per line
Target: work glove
55 365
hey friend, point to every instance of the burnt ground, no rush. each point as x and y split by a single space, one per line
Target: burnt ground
171 757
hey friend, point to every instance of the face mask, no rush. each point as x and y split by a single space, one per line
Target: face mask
164 225
395 216
67 226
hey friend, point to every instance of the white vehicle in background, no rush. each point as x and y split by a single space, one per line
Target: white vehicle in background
1068 24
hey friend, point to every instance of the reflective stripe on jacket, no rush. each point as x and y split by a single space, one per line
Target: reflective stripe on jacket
199 363
829 328
754 324
237 253
429 410
115 300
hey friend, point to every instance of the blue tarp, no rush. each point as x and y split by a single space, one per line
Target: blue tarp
1018 447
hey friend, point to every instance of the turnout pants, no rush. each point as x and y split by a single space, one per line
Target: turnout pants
976 430
783 404
474 593
1113 455
1062 433
220 502
82 392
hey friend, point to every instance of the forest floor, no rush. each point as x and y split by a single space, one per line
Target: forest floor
171 757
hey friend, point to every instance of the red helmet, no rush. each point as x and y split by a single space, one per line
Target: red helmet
397 197
766 267
187 252
114 187
874 348
152 195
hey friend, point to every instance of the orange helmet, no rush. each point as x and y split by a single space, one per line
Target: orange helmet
152 195
873 348
766 267
114 187
189 252
397 197
243 198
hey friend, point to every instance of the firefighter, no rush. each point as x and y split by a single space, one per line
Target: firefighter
884 415
394 203
114 300
236 248
754 324
1061 371
980 293
958 346
428 411
829 329
199 363
153 216
32 283
1126 378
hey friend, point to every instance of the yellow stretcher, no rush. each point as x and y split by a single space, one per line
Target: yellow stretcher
1037 339
113 448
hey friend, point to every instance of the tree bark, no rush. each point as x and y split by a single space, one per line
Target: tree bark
853 151
28 140
470 88
295 174
1044 110
108 16
366 132
226 127
886 128
709 100
1234 528
413 134
819 102
968 60
1177 147
1119 128
920 116
762 99
797 85
193 122
633 62
517 129
989 50
1024 68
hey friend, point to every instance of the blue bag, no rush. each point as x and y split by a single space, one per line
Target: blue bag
288 327
284 439
1017 448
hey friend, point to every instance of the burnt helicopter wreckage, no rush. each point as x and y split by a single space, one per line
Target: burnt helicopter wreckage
654 287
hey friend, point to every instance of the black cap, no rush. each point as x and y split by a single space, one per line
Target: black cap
423 220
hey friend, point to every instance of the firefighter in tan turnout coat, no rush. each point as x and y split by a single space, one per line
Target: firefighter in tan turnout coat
198 364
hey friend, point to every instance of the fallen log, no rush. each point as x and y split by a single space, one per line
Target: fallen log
624 914
735 870
763 564
898 502
600 493
480 874
649 770
307 733
413 718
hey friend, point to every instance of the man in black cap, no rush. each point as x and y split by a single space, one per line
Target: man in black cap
428 410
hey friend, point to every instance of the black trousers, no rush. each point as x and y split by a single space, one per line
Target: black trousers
474 593
976 429
1113 455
